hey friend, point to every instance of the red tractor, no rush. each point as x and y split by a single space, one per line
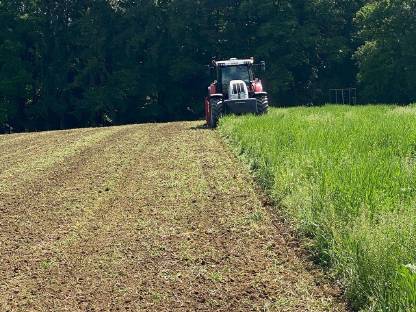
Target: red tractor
235 90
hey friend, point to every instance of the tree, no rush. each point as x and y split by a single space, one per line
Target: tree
14 68
76 63
387 59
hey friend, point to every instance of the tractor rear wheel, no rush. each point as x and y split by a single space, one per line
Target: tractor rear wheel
216 111
262 105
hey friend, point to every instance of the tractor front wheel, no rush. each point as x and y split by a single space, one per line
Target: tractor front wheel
262 105
215 106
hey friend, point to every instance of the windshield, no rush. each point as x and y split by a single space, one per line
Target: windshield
241 72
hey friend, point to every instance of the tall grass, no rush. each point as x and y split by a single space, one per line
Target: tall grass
347 178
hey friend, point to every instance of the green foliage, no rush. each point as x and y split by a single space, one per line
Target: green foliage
406 284
80 63
387 59
347 177
14 73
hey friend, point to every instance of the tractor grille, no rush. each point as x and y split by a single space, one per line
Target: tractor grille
238 88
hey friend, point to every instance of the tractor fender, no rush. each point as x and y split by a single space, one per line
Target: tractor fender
212 89
260 94
257 86
215 95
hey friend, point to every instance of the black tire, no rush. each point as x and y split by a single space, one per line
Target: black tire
216 111
262 105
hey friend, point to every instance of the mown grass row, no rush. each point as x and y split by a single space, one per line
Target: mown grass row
346 176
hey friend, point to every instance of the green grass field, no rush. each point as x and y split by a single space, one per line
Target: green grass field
346 177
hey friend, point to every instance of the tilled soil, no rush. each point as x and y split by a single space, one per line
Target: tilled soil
143 218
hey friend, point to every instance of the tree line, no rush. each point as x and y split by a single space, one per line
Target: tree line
78 63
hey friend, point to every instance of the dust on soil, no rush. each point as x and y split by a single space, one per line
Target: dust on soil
143 218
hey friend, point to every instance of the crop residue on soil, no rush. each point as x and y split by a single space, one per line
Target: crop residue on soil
142 218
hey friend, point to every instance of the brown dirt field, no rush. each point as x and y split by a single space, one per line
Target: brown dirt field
143 218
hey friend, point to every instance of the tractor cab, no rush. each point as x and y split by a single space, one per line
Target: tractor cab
232 70
235 90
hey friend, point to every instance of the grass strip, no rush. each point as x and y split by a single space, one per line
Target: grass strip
346 177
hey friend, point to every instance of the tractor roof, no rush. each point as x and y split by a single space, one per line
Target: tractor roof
235 62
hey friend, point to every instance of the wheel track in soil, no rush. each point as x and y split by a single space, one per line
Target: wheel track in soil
19 148
149 218
57 187
22 163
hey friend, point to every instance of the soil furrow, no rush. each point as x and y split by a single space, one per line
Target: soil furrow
151 218
20 148
55 204
45 156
